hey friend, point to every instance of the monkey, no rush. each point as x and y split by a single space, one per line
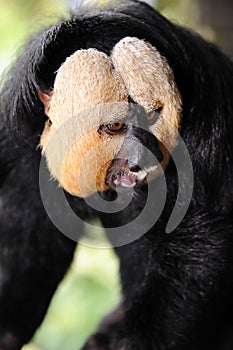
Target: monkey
112 106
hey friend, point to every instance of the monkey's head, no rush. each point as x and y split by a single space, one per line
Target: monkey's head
113 120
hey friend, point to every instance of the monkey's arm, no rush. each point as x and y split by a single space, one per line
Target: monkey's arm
177 289
33 256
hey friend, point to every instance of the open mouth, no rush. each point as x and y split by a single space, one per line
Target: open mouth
127 179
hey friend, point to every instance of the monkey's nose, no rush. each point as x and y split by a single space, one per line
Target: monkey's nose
134 168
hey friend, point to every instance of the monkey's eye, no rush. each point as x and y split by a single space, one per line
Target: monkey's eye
116 126
113 128
153 115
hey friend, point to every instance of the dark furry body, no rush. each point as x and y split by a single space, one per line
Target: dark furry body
177 287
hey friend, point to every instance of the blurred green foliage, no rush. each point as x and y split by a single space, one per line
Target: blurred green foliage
88 292
20 18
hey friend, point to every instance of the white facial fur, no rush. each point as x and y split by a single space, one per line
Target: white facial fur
92 89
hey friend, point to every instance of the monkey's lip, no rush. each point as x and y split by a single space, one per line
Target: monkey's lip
128 179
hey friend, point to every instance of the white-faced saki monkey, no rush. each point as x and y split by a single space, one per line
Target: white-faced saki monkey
114 101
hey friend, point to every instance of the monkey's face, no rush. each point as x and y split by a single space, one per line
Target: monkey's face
139 157
94 138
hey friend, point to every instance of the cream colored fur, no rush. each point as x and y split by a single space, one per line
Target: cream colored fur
92 89
87 93
150 82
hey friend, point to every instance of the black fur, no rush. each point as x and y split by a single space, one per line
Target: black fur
177 287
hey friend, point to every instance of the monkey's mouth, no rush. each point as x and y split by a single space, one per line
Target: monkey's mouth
126 179
119 175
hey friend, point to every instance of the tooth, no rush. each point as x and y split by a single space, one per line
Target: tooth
141 176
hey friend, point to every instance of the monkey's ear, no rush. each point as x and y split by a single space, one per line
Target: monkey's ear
45 99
